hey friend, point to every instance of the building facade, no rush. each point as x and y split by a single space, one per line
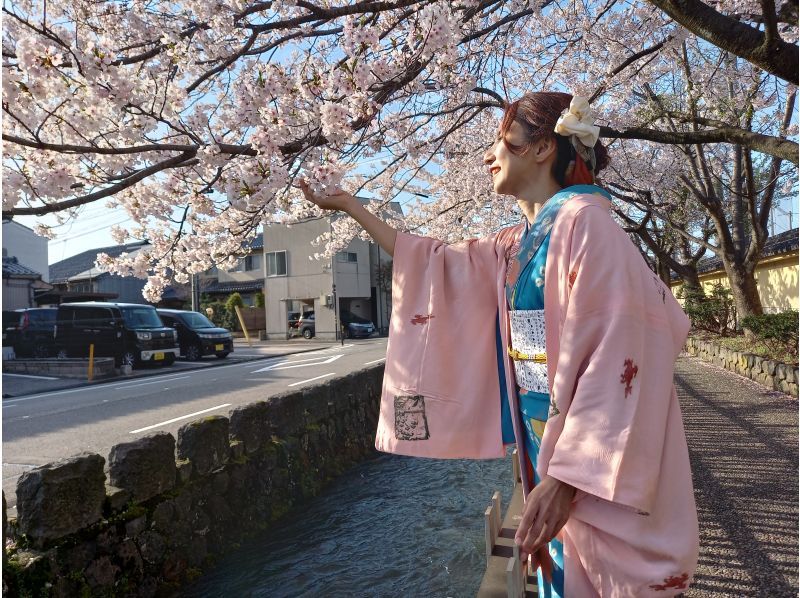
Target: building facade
356 280
25 272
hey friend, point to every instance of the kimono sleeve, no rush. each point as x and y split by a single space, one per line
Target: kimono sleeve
441 391
613 387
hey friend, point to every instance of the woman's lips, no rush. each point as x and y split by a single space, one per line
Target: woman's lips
494 170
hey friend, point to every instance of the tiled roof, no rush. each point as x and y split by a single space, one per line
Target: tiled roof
13 268
257 242
82 262
775 245
212 286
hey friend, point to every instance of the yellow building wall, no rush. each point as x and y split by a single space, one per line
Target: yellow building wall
777 278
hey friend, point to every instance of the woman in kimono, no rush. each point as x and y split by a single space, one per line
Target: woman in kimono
554 335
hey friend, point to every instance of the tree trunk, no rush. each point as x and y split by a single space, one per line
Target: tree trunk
745 293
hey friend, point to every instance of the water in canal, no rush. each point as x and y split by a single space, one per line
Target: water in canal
393 526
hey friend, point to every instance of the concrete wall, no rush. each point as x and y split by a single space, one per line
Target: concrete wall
17 293
306 279
158 511
29 248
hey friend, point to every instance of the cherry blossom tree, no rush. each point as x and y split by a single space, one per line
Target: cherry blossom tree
195 118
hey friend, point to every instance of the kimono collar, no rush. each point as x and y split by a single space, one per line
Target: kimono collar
535 233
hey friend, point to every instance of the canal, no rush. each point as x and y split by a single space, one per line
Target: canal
392 526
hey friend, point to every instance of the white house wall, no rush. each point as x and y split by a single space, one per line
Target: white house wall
29 248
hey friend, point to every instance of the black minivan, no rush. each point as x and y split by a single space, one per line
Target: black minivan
197 335
131 333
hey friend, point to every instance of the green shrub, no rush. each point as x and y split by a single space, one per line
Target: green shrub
259 299
778 331
714 312
221 315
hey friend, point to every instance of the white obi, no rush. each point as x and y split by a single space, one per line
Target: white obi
528 336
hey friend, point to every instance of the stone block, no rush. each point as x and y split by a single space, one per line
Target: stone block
60 498
101 573
151 546
769 366
251 424
145 467
136 526
205 444
791 374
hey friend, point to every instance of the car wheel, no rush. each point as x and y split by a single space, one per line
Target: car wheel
307 333
41 351
129 358
169 359
221 355
194 352
62 354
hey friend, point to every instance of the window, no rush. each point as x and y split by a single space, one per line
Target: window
252 262
347 256
276 263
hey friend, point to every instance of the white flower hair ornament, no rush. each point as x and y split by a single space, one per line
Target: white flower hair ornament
577 123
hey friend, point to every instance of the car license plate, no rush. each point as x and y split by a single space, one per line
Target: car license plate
158 356
219 347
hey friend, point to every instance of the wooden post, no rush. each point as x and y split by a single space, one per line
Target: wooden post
515 582
515 467
488 532
91 362
241 322
497 505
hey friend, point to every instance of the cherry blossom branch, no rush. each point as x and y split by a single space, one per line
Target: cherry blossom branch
775 56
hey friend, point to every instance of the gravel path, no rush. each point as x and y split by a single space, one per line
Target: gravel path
743 444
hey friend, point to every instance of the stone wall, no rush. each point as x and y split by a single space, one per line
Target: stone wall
157 511
772 374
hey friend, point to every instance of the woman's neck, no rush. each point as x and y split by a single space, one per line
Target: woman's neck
535 196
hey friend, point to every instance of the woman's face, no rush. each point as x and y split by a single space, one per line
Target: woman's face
510 172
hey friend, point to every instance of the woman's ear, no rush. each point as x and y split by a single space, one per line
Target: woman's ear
544 149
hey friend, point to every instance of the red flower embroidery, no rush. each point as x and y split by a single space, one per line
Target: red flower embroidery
572 276
677 582
628 375
419 319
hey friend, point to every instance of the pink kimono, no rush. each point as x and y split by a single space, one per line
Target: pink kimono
613 332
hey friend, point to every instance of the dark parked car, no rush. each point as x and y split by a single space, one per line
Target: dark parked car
131 333
197 335
356 326
30 331
307 324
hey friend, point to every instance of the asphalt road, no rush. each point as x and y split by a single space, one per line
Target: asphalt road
44 427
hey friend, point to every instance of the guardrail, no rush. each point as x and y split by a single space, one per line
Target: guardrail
506 575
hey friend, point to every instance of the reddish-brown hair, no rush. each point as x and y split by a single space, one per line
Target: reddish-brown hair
538 113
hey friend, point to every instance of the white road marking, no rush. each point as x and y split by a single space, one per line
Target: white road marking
30 376
299 363
153 382
169 421
329 349
163 377
312 379
376 361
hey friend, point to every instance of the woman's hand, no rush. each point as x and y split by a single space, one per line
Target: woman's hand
546 511
342 200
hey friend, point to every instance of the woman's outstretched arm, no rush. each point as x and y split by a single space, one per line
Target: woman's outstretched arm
383 234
